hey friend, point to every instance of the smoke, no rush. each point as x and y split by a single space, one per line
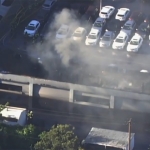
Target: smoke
76 57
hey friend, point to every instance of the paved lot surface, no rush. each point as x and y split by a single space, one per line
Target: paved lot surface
88 60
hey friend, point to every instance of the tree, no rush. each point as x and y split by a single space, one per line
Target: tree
18 137
60 137
3 106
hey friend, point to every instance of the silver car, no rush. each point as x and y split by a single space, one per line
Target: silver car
48 4
107 39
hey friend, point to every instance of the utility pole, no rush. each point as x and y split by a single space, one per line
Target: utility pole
100 5
129 142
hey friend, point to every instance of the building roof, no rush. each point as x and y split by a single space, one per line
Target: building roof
105 137
12 112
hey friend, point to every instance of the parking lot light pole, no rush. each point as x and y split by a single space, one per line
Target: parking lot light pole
100 5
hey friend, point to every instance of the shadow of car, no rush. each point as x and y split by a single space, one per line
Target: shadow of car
7 3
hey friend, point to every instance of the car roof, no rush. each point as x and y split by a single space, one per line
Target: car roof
33 22
79 30
63 26
122 10
129 22
106 8
144 24
99 19
115 21
121 35
136 37
107 33
94 31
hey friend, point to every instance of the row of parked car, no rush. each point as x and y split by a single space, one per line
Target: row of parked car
124 25
117 32
106 30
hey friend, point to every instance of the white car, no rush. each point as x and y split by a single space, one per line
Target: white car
122 14
120 41
93 37
99 24
48 4
32 28
107 39
79 34
63 32
135 43
107 12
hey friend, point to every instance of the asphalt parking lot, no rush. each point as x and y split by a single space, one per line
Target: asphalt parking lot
102 58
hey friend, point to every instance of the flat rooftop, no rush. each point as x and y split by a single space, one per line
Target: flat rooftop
105 137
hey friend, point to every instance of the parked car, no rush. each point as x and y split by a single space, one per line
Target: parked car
120 41
107 12
143 29
135 43
129 27
32 28
48 4
147 19
99 24
93 37
107 39
123 14
138 17
114 25
63 32
79 34
90 15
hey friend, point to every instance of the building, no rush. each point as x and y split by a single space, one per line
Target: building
108 139
14 116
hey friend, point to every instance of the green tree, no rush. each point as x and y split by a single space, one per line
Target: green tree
60 137
17 137
3 106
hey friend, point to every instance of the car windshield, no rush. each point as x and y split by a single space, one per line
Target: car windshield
134 42
119 40
77 34
143 29
120 15
30 28
106 38
127 27
46 5
62 32
105 13
98 24
92 36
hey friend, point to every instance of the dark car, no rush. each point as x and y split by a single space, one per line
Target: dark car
114 25
147 19
138 17
144 29
90 15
